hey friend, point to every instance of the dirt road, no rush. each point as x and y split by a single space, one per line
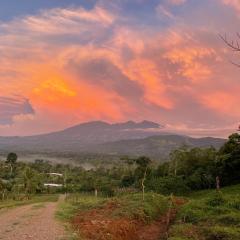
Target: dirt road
30 222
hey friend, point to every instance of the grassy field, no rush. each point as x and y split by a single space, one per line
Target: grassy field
34 199
209 215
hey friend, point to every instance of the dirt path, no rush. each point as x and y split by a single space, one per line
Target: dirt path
36 221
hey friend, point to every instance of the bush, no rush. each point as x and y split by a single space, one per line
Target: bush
168 185
107 191
134 207
127 181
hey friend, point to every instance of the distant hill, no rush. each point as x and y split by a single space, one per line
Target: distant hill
155 146
130 137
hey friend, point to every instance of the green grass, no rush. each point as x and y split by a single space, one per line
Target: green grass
75 203
131 206
230 191
127 206
209 215
34 199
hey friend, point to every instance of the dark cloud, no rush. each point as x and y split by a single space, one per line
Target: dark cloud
102 72
13 106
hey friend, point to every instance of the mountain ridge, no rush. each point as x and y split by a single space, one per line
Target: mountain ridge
155 146
145 138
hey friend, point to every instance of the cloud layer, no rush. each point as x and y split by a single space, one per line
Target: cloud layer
71 65
14 107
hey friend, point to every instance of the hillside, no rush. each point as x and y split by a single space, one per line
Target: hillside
155 146
143 138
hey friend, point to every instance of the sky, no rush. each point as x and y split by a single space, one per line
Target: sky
64 62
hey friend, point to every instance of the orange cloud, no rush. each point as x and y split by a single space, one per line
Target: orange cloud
190 61
149 76
57 92
77 65
223 102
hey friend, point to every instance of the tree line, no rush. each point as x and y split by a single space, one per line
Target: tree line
188 169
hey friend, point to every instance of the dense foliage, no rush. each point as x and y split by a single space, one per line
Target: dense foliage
187 169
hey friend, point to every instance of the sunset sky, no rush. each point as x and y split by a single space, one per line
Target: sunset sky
63 62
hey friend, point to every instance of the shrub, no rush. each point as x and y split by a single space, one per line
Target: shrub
107 191
127 181
216 200
168 185
133 206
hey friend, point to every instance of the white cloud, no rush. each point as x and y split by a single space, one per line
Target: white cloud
61 21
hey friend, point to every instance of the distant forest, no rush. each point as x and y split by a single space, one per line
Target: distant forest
188 169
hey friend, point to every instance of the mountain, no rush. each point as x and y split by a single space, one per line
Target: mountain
155 146
132 138
78 137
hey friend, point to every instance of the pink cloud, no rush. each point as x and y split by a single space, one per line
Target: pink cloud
176 2
232 3
77 65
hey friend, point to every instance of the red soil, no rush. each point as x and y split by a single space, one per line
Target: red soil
98 225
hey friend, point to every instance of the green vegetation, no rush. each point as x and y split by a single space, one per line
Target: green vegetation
106 218
209 215
130 205
138 190
187 170
196 169
78 202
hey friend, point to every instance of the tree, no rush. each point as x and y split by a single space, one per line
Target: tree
177 157
228 164
233 45
162 170
196 166
143 165
11 160
2 189
231 145
31 181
